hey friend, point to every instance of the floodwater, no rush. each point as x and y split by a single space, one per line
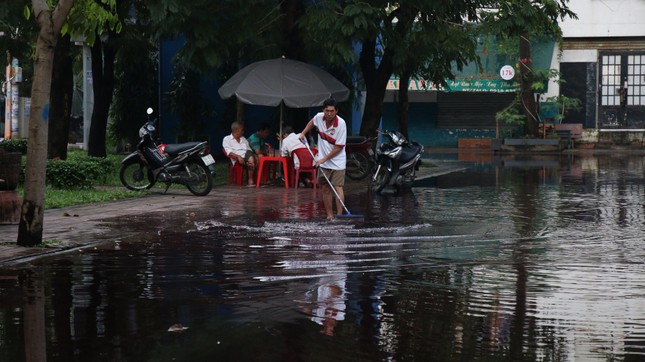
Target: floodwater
538 259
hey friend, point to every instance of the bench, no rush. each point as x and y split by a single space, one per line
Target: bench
570 131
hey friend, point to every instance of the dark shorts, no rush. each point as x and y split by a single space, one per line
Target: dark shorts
248 155
337 177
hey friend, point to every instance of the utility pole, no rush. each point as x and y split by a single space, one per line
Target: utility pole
7 92
12 101
88 89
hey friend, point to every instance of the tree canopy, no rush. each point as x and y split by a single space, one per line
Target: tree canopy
525 20
385 38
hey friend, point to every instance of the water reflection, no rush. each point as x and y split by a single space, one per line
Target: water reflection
510 260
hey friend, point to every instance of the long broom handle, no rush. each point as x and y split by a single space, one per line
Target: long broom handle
325 176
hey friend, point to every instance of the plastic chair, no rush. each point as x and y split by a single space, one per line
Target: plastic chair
236 171
306 165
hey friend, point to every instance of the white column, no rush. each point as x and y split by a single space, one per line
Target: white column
88 94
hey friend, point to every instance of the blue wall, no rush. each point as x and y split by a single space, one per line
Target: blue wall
423 126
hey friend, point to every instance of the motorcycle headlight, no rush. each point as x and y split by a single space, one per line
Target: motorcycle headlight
393 153
142 132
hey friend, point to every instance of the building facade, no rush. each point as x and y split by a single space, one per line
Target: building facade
603 62
601 59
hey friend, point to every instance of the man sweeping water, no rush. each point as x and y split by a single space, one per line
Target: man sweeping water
331 158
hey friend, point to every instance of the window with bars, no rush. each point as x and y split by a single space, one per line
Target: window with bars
636 80
616 69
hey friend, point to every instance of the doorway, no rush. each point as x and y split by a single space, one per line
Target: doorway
621 95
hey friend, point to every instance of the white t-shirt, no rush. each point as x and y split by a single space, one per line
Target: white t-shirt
335 135
290 143
231 145
330 301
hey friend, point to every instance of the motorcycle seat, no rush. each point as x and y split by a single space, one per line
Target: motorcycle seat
176 148
410 151
355 139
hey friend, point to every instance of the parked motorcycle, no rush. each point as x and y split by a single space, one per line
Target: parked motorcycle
397 162
183 163
360 157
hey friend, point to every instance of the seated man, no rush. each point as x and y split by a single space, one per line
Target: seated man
238 150
257 141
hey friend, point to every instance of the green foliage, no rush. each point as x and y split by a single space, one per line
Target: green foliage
137 89
50 243
513 18
92 18
525 20
186 100
77 172
19 39
425 38
220 32
512 115
15 145
58 198
561 105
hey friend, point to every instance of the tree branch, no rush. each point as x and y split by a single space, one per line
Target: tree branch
60 14
39 6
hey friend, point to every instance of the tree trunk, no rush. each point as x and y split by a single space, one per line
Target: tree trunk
527 78
376 79
30 228
61 96
103 55
294 47
404 103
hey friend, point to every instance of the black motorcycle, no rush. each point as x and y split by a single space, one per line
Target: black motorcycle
184 163
397 162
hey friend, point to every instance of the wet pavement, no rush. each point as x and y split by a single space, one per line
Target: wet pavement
87 225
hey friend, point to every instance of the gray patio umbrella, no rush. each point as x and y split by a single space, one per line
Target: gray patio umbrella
278 82
275 81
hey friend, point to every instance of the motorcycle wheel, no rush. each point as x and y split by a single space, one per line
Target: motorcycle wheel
381 179
358 166
135 175
200 180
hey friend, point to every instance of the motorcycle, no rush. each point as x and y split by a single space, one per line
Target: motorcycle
183 163
397 162
360 157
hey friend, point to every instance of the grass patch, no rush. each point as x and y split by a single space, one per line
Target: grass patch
57 198
49 243
109 187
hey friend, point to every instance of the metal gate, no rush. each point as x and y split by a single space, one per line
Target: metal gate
622 90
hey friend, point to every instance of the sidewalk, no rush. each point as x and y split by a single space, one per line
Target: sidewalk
178 210
84 225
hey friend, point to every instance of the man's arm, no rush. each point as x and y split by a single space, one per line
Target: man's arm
334 151
303 135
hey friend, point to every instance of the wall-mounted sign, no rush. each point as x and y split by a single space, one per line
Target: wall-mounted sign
507 72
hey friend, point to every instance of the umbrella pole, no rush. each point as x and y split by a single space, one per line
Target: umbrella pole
280 126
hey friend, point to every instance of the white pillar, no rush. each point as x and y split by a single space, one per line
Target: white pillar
88 94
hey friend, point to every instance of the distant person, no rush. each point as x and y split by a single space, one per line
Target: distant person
237 148
258 143
331 159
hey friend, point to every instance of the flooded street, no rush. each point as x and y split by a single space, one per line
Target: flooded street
539 259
